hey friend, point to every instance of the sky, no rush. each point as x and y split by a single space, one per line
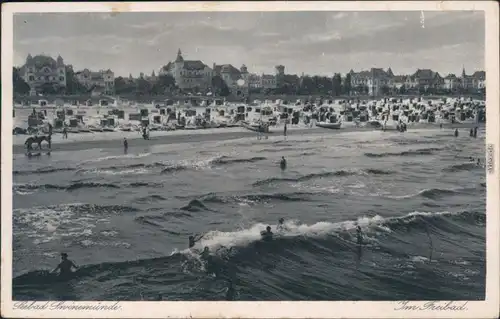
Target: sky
314 43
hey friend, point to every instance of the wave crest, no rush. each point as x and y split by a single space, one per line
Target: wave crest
312 176
423 151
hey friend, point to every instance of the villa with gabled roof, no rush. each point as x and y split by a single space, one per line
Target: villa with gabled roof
237 80
104 79
479 79
374 79
189 74
43 70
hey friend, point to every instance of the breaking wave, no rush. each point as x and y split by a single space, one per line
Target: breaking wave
423 151
244 246
312 176
227 160
462 167
435 193
256 198
44 170
195 206
79 185
112 157
149 198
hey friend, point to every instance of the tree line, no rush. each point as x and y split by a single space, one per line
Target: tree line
286 84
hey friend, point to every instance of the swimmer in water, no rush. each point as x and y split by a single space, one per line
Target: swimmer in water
359 235
66 266
267 234
193 240
205 254
280 224
283 162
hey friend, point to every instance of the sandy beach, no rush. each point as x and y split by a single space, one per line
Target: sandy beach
108 140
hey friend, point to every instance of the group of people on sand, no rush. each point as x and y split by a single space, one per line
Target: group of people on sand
472 132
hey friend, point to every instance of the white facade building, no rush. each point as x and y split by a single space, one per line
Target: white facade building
43 70
189 74
104 79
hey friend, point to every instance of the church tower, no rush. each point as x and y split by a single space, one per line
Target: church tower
61 71
179 63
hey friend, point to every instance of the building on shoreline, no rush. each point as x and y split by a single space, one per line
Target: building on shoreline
376 81
42 72
197 76
99 81
372 82
426 78
479 79
451 82
237 80
188 74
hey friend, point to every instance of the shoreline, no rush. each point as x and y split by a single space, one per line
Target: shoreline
169 137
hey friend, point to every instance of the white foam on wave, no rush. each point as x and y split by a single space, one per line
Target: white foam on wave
406 196
48 224
304 186
419 259
118 244
111 157
18 192
200 163
445 213
109 233
217 239
98 171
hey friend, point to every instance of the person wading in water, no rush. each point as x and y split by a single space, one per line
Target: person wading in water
125 145
65 266
49 138
283 163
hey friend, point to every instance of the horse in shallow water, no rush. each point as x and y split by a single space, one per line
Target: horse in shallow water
35 139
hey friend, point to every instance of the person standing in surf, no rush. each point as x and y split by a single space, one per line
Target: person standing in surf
359 235
65 266
456 132
125 145
267 234
49 140
283 163
284 130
